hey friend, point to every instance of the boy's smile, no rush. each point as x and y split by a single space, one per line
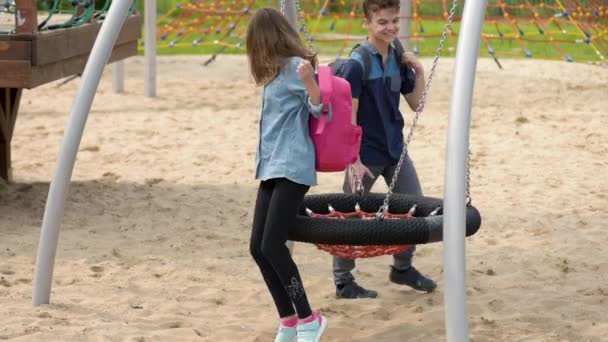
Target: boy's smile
383 26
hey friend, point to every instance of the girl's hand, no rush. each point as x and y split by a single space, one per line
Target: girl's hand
410 59
305 72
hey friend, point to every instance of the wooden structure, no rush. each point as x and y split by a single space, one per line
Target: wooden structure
30 58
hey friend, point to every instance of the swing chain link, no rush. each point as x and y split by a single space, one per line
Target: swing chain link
384 208
300 13
302 21
385 205
468 180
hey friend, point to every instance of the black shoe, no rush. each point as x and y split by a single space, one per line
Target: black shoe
412 278
352 290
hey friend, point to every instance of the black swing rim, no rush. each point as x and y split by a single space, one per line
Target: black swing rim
420 230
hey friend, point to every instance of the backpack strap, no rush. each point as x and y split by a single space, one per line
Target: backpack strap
367 62
367 59
326 86
398 48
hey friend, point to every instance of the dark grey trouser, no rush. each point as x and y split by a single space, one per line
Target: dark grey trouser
407 183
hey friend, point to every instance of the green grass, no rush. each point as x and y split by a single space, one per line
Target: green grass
504 48
346 32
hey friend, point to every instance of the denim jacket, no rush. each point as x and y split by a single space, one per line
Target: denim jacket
285 149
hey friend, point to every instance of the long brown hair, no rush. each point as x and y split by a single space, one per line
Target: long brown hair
270 38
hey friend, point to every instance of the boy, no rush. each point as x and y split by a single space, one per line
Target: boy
376 110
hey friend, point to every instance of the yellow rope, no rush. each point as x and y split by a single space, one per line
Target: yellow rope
159 20
319 16
597 52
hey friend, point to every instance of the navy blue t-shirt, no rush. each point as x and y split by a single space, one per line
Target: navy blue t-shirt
378 113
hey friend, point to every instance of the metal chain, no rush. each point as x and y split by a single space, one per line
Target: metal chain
468 180
300 14
384 208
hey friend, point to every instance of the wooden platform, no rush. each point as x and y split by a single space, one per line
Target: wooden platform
31 58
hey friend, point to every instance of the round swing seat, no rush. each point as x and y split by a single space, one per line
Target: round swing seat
348 236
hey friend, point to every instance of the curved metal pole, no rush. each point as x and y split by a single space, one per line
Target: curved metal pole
78 116
455 172
289 6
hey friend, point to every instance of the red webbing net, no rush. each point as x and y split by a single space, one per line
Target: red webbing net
355 252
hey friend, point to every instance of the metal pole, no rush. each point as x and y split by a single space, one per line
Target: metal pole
289 9
290 13
455 172
150 47
65 164
405 25
118 77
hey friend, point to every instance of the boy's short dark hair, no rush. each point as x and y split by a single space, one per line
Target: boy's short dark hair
372 6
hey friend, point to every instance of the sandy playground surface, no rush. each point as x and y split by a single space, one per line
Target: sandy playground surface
154 243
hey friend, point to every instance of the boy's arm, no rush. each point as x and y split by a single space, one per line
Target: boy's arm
413 82
413 98
357 170
355 109
353 73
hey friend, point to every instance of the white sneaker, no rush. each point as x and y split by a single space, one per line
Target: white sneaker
286 334
312 331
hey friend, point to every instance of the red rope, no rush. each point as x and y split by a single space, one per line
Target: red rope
356 252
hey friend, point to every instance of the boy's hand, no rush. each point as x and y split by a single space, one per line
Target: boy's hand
356 172
305 71
410 59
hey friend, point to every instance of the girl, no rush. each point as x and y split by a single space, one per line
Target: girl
285 164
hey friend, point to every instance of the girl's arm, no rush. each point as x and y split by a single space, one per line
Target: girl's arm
306 72
304 84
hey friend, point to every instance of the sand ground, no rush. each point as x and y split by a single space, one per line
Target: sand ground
154 242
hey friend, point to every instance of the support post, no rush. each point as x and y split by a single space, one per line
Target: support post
290 13
455 171
26 21
26 16
292 18
118 77
405 25
54 209
150 47
9 107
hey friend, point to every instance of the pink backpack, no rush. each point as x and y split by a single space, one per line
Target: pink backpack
336 139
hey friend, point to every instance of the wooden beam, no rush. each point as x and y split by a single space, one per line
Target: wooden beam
55 45
57 54
9 107
15 74
30 58
26 16
15 50
18 37
42 74
131 30
21 74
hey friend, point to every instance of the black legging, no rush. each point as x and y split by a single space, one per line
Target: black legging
276 208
